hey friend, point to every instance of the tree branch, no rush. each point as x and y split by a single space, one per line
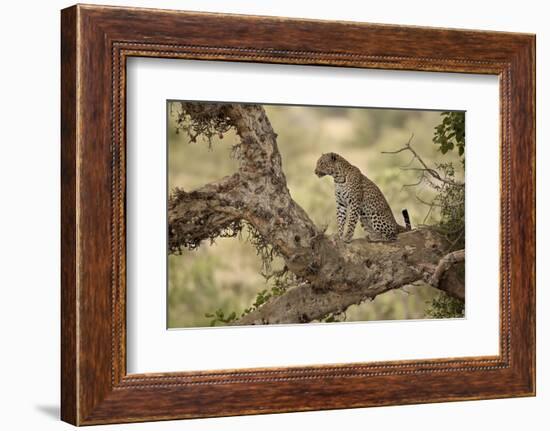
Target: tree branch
444 265
425 168
206 213
385 266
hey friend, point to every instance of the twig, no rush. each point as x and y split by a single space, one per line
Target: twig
426 168
430 204
458 238
414 184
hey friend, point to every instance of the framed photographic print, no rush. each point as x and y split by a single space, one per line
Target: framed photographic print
325 214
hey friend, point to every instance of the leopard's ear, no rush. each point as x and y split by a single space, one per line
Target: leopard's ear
333 157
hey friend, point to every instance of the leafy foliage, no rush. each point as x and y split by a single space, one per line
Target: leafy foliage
444 306
208 120
451 132
450 199
261 298
219 317
282 281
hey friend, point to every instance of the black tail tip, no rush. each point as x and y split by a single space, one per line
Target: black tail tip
407 219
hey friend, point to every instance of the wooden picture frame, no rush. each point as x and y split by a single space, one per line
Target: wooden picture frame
95 43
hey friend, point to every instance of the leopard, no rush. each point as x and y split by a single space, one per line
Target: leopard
359 199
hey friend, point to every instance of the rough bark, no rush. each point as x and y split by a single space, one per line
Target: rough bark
333 275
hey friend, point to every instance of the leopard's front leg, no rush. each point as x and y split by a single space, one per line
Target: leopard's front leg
341 213
352 220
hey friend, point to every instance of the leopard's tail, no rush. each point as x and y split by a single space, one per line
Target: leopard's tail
407 220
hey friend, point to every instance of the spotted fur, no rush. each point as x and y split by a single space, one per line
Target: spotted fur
359 199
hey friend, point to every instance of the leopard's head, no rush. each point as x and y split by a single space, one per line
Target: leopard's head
330 164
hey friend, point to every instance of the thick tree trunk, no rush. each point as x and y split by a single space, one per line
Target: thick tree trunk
333 275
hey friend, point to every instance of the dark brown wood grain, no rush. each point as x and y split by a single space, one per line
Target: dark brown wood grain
96 41
68 217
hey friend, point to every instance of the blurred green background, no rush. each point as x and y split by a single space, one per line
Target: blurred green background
226 275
